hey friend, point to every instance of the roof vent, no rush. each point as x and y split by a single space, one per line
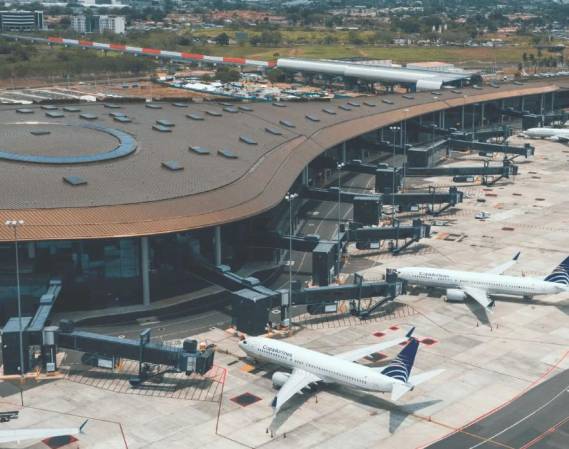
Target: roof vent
287 123
274 131
231 109
408 97
227 154
345 107
386 101
355 104
312 118
86 116
54 114
166 123
195 116
74 181
153 106
214 113
24 111
48 107
329 111
172 165
111 106
122 119
199 150
71 109
247 140
180 105
279 105
40 132
246 108
369 104
162 129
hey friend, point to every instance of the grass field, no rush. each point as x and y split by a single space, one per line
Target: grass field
455 55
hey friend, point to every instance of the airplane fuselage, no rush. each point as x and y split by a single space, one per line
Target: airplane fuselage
493 284
328 368
544 133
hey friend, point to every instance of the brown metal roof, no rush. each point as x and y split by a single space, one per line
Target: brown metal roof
136 196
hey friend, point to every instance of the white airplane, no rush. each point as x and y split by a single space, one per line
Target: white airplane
478 286
554 134
312 367
17 435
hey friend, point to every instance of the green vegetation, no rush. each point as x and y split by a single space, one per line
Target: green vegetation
29 61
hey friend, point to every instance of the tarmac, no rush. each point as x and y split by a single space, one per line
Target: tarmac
488 361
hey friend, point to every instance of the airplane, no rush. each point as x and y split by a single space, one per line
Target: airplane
479 286
311 367
17 435
554 134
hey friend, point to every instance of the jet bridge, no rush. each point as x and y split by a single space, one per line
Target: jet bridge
485 148
405 200
367 236
102 350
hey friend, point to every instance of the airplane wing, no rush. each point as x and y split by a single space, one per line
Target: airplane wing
480 296
501 268
298 380
359 353
17 435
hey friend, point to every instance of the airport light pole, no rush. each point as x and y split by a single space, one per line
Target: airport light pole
340 166
290 198
13 224
404 131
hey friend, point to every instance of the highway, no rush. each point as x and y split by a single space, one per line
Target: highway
537 419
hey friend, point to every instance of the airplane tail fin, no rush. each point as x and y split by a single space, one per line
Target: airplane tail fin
82 426
560 275
400 367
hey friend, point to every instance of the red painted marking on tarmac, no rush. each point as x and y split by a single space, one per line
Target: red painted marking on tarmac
546 433
379 334
428 341
499 407
394 328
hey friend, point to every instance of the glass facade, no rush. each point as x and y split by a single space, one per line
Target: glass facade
103 273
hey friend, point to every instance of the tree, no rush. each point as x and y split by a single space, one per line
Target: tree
275 75
226 74
222 39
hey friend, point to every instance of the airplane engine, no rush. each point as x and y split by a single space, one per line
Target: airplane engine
279 379
455 295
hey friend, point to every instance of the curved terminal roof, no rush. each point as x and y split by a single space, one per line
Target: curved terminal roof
192 166
423 79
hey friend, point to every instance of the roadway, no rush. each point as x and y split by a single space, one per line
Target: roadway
538 419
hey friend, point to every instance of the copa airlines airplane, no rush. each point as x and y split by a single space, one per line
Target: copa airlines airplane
17 435
478 286
312 367
555 134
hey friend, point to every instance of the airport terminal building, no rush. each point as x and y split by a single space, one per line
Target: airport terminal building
114 198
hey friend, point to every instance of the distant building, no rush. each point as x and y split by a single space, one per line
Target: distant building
98 24
21 21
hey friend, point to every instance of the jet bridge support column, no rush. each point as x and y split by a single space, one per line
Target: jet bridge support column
145 269
217 245
344 152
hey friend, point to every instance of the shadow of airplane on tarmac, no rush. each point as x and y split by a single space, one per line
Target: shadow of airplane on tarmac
397 412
